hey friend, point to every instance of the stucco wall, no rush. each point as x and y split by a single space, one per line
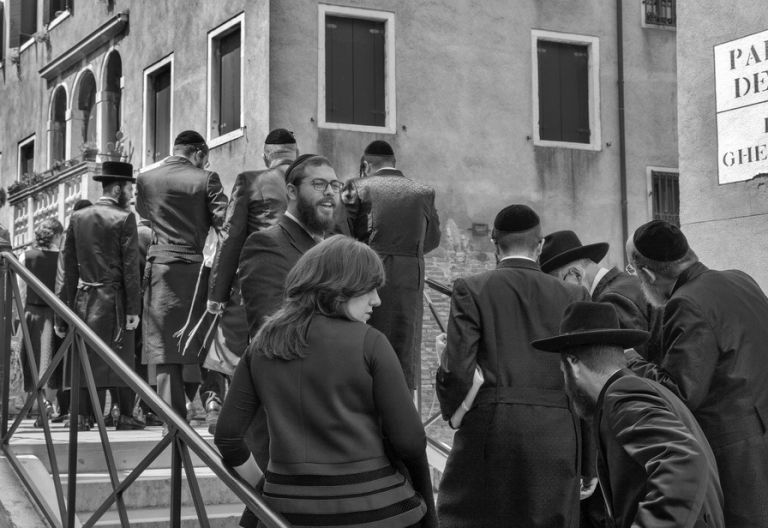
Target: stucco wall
464 109
726 224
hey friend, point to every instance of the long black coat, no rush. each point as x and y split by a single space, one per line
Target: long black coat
516 458
715 340
654 463
182 203
623 291
396 217
101 279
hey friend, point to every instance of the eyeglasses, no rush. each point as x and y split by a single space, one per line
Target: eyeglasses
321 185
630 269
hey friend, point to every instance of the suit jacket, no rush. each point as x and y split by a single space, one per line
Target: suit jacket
521 422
257 201
265 261
635 312
714 339
101 277
655 465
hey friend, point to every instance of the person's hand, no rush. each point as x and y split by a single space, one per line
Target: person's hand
60 331
214 307
586 492
131 322
441 342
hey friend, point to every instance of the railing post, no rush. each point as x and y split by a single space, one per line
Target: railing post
6 326
175 483
74 412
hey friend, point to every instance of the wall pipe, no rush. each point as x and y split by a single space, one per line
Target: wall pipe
622 128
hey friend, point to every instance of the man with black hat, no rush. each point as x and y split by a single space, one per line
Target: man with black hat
101 284
395 216
182 201
268 255
655 465
563 256
714 336
516 457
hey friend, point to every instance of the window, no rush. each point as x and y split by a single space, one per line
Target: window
84 138
158 109
665 195
58 126
659 13
566 90
225 65
357 65
54 11
28 21
2 34
26 158
111 102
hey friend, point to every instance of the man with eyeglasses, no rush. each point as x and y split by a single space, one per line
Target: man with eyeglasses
182 201
714 339
396 216
268 255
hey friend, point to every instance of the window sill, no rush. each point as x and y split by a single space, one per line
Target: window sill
152 166
59 19
26 45
566 144
387 129
226 138
646 25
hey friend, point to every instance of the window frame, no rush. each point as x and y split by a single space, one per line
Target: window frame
647 25
38 22
390 103
649 171
23 143
149 71
222 30
51 122
593 100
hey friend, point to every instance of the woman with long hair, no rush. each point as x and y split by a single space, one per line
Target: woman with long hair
340 417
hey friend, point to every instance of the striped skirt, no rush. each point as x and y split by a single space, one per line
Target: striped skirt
371 497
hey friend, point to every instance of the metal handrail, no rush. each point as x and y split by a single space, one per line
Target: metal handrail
180 434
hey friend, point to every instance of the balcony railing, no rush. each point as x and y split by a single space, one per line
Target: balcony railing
660 13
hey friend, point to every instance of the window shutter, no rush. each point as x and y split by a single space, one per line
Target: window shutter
2 31
14 23
48 6
229 82
574 93
28 20
339 80
162 118
549 91
368 72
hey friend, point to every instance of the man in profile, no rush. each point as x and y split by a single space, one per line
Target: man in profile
395 216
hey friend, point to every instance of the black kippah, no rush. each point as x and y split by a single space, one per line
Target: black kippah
379 148
289 176
189 137
280 136
660 241
516 218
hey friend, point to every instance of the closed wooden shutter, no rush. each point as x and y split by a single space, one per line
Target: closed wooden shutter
355 74
28 20
14 23
2 31
161 83
229 82
59 126
563 92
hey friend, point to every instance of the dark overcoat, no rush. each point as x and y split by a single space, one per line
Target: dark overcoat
101 279
516 458
182 203
396 217
623 291
265 261
715 340
655 465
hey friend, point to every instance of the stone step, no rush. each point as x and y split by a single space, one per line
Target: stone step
219 516
151 490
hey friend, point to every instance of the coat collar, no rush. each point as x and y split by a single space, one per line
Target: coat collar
518 263
177 159
605 281
388 171
689 274
297 235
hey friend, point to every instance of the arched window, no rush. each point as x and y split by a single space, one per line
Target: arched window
84 115
113 73
58 130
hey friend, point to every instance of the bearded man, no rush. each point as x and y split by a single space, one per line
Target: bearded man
654 463
714 355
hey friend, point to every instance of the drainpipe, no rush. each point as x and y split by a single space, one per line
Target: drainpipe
622 128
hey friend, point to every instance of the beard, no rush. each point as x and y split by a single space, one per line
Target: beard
123 202
583 404
654 295
310 216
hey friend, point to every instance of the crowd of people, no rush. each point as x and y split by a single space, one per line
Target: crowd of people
583 396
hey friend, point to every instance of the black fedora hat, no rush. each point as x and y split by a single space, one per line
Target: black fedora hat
590 323
115 171
562 247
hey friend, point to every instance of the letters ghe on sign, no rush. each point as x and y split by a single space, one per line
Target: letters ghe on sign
741 81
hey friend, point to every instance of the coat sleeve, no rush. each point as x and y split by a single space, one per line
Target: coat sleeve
675 463
70 274
432 238
690 352
217 202
129 247
264 266
454 376
233 236
630 314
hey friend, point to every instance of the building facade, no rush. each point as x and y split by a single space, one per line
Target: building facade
491 103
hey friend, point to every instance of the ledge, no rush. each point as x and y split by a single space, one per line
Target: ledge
107 31
75 170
